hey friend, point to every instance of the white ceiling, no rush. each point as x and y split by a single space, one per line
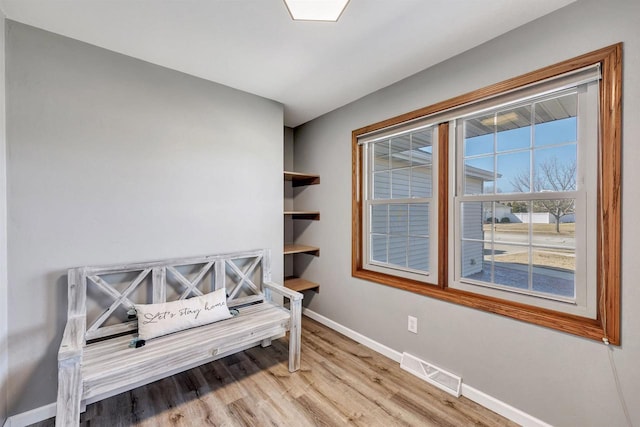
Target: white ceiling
253 45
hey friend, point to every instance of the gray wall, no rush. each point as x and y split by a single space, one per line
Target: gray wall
4 358
562 379
111 159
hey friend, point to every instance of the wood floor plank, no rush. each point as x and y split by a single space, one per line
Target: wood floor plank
340 382
270 399
385 373
373 390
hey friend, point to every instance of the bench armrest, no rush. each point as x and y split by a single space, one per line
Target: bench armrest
72 339
295 327
285 292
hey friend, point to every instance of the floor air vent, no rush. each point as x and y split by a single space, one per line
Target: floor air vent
432 374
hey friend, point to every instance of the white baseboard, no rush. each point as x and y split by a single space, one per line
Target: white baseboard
502 408
489 402
33 416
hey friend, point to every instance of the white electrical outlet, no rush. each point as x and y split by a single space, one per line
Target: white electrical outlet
412 325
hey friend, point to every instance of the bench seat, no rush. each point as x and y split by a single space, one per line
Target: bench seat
111 365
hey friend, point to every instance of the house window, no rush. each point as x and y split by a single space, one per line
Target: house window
506 199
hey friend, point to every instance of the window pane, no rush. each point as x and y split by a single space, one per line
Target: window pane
511 227
473 263
421 147
553 222
513 128
381 185
419 219
421 182
510 233
474 215
400 183
555 168
399 235
554 272
478 135
556 121
398 219
419 253
398 250
381 156
511 266
379 219
513 172
517 213
401 151
478 175
507 231
379 248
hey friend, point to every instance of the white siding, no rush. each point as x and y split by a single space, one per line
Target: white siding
472 223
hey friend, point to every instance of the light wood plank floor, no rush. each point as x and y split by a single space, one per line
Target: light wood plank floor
340 383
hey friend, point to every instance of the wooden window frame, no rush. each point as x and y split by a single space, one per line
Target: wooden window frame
607 324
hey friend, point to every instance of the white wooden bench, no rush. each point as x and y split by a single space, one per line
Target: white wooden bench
95 359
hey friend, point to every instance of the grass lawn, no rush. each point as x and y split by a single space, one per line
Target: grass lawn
541 259
567 229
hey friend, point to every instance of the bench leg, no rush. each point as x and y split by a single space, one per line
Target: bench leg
295 333
265 342
69 393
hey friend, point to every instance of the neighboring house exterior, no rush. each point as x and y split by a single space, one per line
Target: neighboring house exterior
542 218
474 217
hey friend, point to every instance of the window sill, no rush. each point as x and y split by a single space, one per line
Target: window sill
581 326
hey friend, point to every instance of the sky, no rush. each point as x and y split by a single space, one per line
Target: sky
514 150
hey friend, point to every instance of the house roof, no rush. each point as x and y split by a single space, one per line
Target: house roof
512 118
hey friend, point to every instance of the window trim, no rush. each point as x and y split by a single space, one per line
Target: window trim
607 323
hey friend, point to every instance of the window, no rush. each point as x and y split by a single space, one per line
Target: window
490 199
399 204
525 225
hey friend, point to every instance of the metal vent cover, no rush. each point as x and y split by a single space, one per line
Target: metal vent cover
432 374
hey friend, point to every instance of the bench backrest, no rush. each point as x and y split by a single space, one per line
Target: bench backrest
103 295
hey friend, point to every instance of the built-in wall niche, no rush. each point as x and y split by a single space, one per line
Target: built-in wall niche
294 250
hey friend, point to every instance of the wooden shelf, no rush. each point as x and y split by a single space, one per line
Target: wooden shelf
300 179
310 215
292 248
298 284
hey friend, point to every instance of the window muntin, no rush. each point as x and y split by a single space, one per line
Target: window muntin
522 207
399 203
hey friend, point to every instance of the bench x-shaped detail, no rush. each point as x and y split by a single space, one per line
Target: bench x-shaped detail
244 277
190 286
120 298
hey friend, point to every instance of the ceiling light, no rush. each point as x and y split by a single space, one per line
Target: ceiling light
316 10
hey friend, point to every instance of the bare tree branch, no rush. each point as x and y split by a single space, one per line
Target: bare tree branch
551 175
